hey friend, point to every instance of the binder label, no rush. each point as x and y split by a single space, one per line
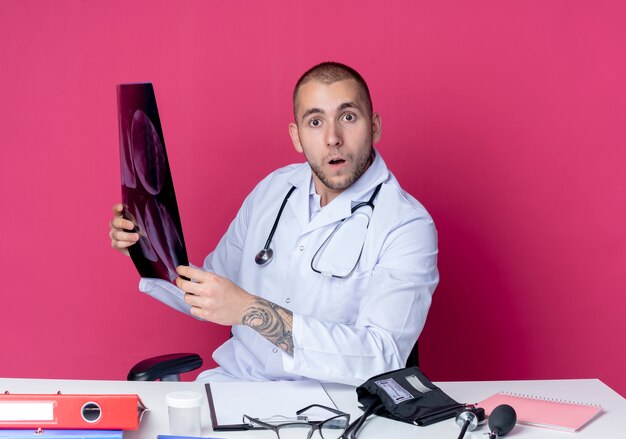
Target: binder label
26 411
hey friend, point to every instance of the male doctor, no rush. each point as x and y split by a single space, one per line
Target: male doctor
353 265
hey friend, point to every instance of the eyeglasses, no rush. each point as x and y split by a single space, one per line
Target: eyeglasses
303 428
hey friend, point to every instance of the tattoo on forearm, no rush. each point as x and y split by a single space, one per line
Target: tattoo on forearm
272 322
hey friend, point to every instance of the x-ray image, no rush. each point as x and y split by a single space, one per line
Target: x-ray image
147 187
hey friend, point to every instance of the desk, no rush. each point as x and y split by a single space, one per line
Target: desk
608 424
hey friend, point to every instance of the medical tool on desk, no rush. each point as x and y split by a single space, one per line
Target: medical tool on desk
404 395
266 254
183 409
469 419
501 421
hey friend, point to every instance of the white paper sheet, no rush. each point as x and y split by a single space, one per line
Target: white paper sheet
264 399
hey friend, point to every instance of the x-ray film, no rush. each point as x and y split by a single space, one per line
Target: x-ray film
147 187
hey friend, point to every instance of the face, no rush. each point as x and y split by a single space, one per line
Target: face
335 132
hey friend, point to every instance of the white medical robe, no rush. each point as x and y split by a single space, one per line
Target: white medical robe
344 330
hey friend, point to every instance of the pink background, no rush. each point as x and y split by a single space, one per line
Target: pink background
506 119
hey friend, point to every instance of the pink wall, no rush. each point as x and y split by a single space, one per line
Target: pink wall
506 119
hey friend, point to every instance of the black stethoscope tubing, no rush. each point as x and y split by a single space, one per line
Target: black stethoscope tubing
266 254
370 203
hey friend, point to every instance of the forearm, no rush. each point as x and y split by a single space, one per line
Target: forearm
273 322
344 353
389 318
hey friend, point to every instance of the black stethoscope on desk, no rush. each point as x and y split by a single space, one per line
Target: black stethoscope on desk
266 254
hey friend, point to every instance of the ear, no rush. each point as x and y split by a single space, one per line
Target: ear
295 137
377 127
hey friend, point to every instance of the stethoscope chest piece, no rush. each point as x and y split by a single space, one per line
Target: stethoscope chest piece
264 256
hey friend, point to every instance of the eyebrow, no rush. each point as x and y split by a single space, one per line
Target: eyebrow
310 111
315 110
348 105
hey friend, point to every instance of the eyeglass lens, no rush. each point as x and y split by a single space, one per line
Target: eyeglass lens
334 428
331 429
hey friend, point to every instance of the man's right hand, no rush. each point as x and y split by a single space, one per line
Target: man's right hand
121 237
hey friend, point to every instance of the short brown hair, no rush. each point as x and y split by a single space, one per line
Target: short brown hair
329 72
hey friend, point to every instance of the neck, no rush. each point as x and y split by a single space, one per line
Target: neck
328 194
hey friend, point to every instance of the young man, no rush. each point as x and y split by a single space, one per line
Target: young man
347 287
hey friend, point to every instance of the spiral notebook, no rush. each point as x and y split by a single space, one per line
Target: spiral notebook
544 412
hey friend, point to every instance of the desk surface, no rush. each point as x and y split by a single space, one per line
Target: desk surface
608 424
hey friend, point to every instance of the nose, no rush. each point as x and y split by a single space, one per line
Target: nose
334 136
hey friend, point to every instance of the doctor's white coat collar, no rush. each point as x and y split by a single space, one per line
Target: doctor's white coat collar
341 206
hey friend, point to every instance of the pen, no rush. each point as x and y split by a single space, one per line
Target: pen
236 427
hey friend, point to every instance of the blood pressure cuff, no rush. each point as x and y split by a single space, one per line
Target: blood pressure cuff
405 395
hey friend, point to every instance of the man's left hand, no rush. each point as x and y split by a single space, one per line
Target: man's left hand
213 298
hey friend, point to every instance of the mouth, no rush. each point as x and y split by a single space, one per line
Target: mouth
336 161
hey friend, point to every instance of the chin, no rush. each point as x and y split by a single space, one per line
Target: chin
340 185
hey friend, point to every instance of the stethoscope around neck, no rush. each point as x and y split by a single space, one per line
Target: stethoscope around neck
266 254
